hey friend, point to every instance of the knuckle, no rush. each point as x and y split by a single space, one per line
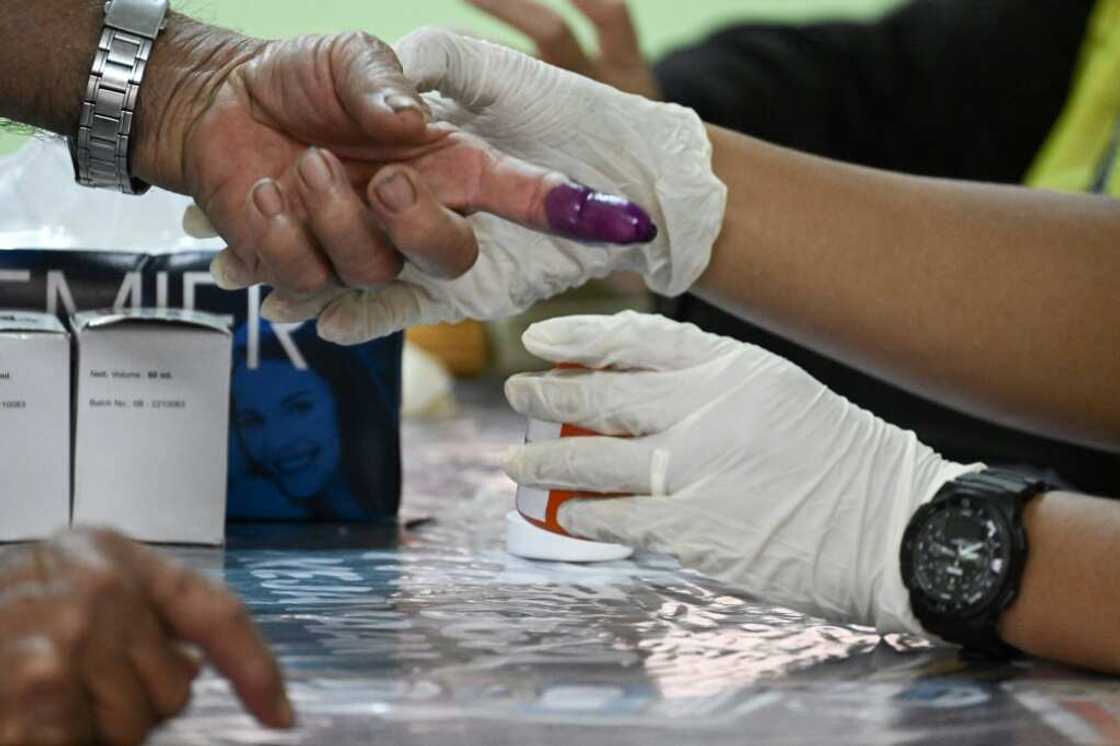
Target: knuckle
73 624
382 267
44 669
103 581
554 31
229 611
310 279
178 697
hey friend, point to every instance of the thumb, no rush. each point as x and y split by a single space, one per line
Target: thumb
362 315
625 341
374 91
639 522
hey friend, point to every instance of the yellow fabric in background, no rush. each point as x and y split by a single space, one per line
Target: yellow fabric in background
1075 149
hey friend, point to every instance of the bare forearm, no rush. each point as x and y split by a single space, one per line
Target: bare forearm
46 52
1069 603
46 47
997 300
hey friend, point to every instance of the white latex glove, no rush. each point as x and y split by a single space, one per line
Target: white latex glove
744 466
657 155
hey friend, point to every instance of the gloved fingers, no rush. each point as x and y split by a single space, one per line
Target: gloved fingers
441 60
618 39
439 242
281 307
556 44
196 224
374 91
606 402
642 522
230 272
601 465
341 224
625 341
358 316
288 253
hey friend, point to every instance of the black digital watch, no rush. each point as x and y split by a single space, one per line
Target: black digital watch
963 555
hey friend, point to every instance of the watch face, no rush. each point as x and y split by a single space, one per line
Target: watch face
961 556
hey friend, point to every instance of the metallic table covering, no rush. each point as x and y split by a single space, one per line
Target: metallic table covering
435 636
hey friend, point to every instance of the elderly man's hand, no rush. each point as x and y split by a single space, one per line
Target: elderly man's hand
313 158
91 634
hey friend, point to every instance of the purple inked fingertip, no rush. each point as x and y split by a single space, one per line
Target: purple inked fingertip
581 213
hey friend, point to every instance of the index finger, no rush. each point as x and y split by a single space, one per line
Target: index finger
211 617
549 201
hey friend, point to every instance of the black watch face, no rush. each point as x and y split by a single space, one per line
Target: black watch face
961 555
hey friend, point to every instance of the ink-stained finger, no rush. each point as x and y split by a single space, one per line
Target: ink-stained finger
549 201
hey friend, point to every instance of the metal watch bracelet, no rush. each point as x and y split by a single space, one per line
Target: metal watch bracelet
101 148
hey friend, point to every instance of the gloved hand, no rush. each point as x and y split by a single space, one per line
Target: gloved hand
744 467
657 155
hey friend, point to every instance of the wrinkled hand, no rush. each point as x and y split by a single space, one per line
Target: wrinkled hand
659 155
744 466
91 628
313 159
620 63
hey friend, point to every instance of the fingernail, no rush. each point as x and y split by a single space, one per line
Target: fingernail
267 198
227 274
314 170
515 393
581 213
399 102
510 462
397 192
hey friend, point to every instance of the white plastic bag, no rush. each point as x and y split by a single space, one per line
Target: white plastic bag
42 208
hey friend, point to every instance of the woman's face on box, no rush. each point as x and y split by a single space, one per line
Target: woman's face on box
288 422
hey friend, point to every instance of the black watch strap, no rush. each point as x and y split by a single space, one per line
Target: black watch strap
1008 492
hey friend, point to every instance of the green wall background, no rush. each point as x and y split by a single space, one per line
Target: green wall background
663 23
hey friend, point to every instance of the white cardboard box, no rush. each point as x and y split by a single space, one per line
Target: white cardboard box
151 424
34 426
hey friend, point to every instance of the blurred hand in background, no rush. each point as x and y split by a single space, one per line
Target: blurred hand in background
620 62
91 628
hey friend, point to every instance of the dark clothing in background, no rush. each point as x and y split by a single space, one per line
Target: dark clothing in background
952 88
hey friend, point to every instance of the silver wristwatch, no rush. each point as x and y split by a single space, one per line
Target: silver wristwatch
100 149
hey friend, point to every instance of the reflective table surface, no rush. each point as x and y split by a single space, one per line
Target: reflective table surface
434 635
